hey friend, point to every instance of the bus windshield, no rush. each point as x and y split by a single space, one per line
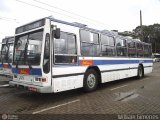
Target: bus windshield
6 53
27 50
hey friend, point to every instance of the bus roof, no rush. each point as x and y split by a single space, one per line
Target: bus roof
83 26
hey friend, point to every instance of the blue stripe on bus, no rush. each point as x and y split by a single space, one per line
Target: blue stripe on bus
10 66
33 71
102 62
14 70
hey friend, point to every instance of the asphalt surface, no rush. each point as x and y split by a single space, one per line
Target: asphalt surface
128 98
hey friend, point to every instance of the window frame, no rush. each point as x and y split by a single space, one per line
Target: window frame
91 43
148 50
74 55
137 50
107 46
123 47
132 48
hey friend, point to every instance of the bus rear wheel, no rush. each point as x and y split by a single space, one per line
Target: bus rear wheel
140 72
90 80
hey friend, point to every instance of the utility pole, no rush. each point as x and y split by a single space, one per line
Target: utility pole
141 25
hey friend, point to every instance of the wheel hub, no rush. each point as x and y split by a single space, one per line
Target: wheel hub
140 72
91 80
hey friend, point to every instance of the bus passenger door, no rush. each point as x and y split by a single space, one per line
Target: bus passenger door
64 47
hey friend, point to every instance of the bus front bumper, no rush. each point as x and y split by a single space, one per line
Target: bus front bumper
34 88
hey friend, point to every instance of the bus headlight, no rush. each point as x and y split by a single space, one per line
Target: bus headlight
43 80
39 79
15 76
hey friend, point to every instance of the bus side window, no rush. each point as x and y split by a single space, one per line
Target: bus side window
132 49
65 49
147 50
89 43
107 45
150 51
121 47
139 49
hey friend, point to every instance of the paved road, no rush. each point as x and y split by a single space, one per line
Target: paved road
127 96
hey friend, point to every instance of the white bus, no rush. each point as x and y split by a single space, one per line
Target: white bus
156 57
51 55
6 56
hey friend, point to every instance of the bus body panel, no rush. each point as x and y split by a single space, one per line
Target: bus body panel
67 83
70 77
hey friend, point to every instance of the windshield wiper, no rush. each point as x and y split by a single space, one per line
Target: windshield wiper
29 64
7 60
7 57
19 59
22 52
26 56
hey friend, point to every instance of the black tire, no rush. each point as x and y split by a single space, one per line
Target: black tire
140 73
90 80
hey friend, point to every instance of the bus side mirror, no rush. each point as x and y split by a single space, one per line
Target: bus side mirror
56 33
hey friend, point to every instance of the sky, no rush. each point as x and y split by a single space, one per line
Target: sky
121 15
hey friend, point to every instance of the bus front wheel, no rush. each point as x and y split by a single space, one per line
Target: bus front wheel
140 72
90 80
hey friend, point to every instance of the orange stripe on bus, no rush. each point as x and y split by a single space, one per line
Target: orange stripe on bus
24 71
86 62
